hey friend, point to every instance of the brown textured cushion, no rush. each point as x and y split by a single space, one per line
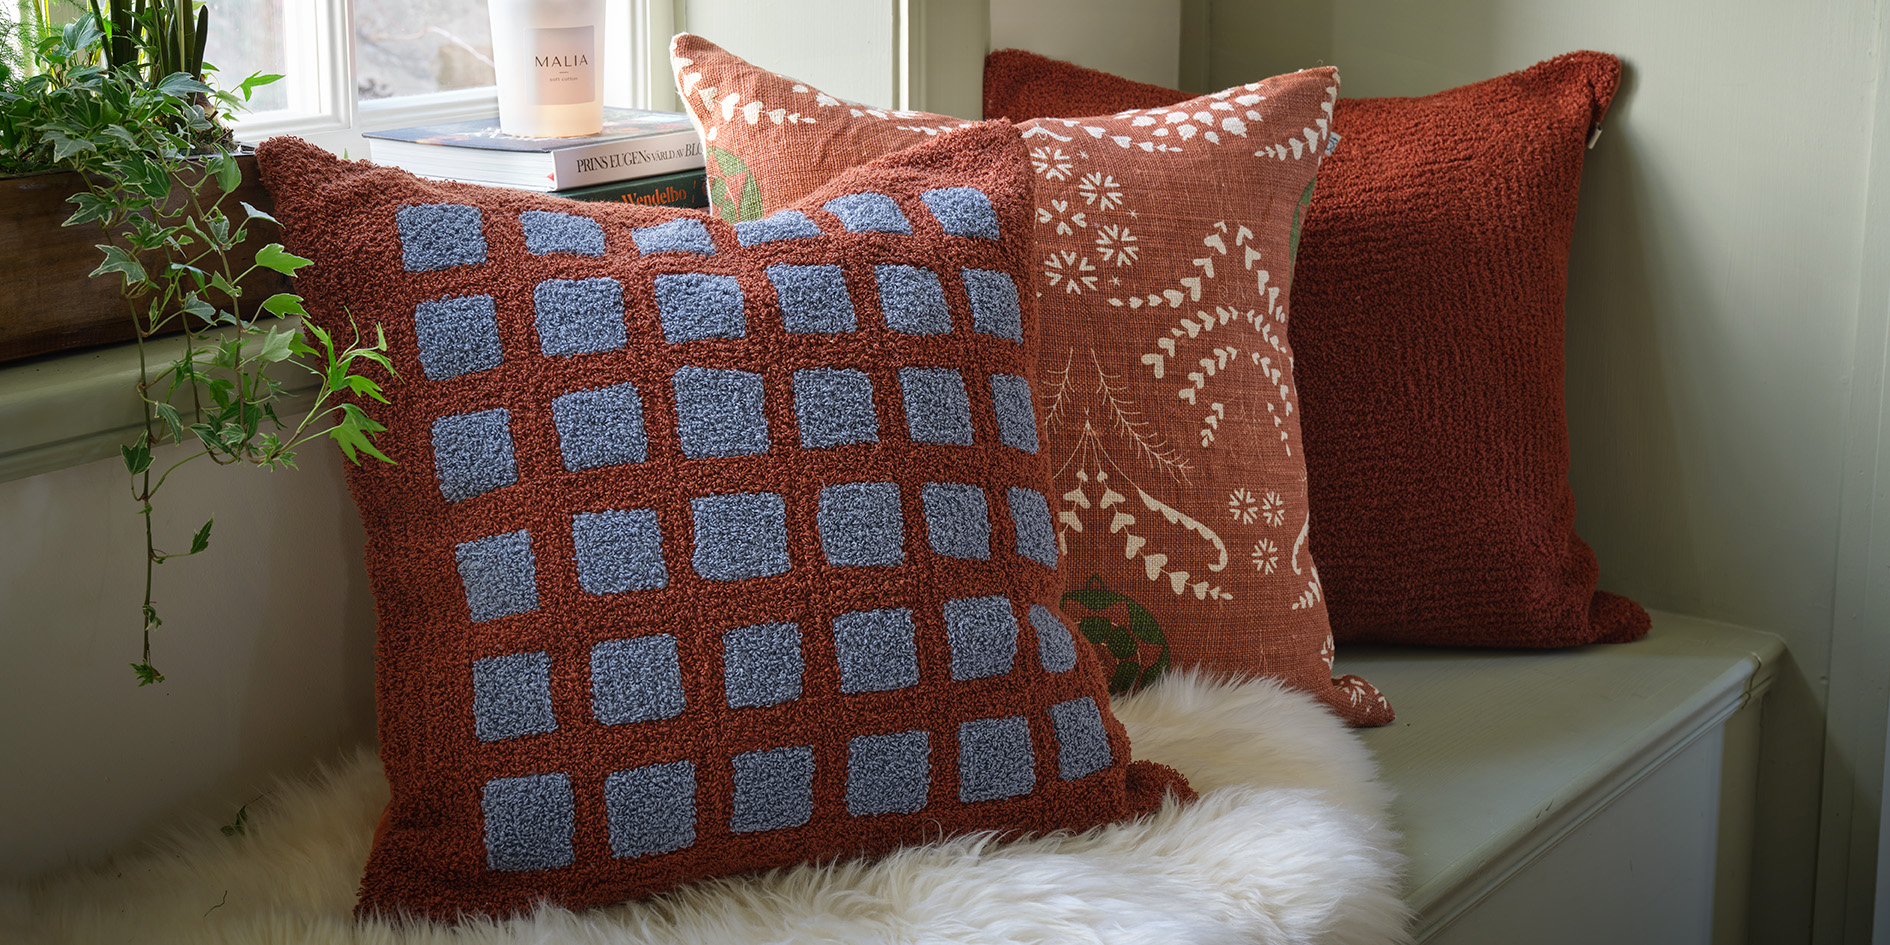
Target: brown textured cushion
1427 318
1164 255
699 557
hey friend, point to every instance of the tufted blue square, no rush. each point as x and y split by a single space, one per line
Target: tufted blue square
774 789
547 232
512 696
1082 745
472 453
528 822
889 774
1030 516
579 316
994 308
786 225
1055 647
995 759
860 524
618 550
875 651
651 809
937 409
983 636
602 427
868 213
457 335
1016 416
636 680
676 236
814 299
957 521
834 407
440 236
697 305
741 535
719 413
499 574
761 665
913 300
962 211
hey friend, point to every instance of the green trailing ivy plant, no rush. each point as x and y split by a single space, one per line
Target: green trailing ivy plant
109 100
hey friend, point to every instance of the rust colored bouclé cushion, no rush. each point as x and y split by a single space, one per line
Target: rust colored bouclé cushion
1427 317
710 548
1171 414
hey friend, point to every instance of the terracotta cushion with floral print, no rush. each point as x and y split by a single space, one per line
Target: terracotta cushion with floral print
1428 320
1165 381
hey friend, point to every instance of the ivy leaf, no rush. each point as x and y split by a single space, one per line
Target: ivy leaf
147 674
279 259
284 303
277 345
223 285
117 260
201 540
137 456
365 387
255 214
90 208
228 173
352 433
172 419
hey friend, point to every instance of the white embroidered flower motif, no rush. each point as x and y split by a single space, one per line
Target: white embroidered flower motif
1051 162
1066 269
1059 211
1100 190
1242 504
1266 556
1117 245
1273 509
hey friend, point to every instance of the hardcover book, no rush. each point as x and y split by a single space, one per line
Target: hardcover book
634 144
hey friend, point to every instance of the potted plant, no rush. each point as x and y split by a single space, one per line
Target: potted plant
118 99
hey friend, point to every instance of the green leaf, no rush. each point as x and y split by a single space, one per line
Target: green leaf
172 419
365 387
279 259
137 456
255 214
201 540
223 285
255 82
147 674
90 208
117 260
277 345
228 173
352 433
284 303
179 85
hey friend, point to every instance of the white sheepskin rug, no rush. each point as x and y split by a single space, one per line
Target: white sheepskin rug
1289 843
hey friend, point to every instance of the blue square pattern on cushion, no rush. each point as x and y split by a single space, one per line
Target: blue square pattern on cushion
547 233
995 760
528 822
814 299
1030 517
499 574
937 408
785 225
741 535
458 335
440 236
761 665
1056 649
774 789
651 809
962 211
889 774
1016 416
861 525
875 650
602 427
636 680
676 236
913 300
983 636
579 316
512 696
619 550
1082 745
868 213
834 407
472 453
698 305
957 520
719 413
994 309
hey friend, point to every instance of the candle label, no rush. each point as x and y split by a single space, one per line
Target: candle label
564 65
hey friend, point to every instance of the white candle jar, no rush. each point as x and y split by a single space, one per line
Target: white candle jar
547 56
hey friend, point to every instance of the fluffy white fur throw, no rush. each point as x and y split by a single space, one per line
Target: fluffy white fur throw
1288 844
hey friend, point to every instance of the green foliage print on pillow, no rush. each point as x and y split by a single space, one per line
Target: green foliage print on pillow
731 172
1123 633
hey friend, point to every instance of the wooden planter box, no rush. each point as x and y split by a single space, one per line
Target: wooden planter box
47 301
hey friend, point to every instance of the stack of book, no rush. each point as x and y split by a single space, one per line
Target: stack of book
641 157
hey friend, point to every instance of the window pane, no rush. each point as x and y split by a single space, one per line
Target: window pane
407 47
246 38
